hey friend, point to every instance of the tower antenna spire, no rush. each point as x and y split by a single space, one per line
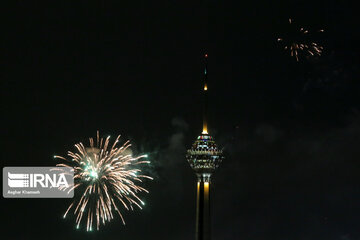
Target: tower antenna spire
205 98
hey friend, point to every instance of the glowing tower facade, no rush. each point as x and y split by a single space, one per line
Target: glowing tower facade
204 158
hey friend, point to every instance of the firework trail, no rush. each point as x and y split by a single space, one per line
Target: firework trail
106 177
299 42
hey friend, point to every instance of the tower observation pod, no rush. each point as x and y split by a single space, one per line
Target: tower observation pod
204 158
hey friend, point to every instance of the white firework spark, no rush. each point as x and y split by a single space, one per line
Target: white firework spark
106 177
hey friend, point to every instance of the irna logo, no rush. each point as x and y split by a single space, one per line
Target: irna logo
19 180
38 182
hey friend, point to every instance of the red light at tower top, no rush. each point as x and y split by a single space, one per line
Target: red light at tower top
206 55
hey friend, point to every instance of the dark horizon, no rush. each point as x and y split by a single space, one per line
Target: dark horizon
290 130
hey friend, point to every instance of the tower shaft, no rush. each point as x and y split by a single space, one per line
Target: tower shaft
203 224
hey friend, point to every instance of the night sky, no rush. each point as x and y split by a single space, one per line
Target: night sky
290 130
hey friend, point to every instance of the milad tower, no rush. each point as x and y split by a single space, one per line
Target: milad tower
204 158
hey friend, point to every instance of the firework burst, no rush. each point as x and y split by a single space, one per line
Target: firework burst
106 177
299 42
